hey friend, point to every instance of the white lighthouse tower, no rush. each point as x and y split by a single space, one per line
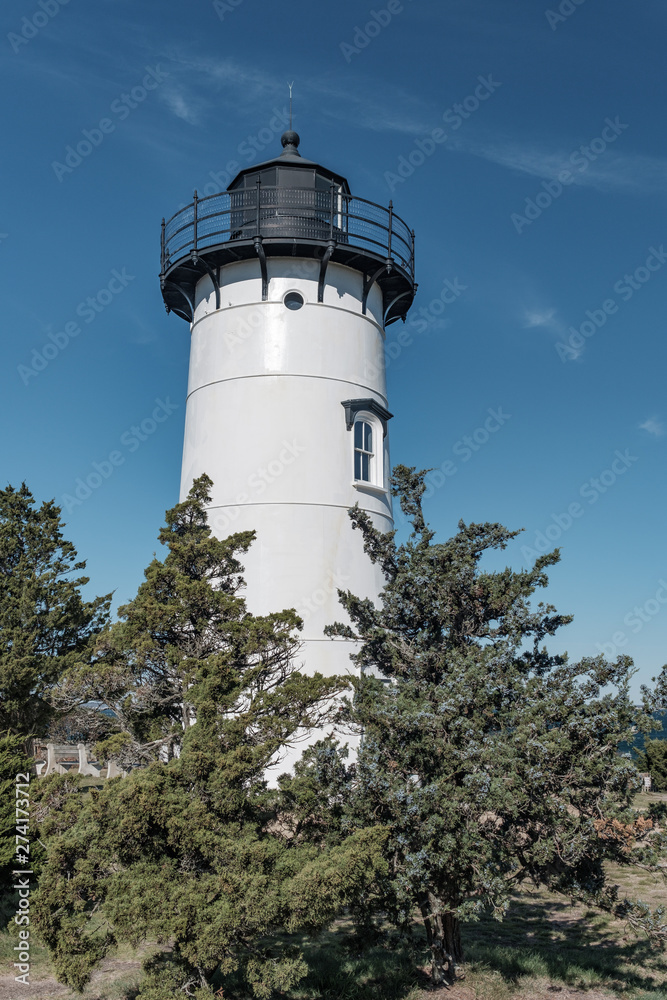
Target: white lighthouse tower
288 282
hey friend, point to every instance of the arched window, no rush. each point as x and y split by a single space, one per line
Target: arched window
364 455
367 419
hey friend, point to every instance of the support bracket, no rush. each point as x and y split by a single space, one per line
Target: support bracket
257 243
386 312
370 279
324 263
353 406
196 259
191 305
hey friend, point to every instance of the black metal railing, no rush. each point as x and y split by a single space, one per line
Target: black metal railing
290 213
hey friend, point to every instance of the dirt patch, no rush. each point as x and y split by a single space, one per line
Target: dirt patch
39 989
110 970
461 992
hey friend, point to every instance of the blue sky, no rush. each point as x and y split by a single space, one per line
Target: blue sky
525 145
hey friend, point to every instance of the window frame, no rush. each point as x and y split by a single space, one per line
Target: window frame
372 412
364 419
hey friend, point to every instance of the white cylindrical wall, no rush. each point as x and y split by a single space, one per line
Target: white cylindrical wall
265 421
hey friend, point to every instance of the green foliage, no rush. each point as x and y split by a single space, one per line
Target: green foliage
339 970
12 761
654 760
166 979
190 851
186 648
489 760
46 628
83 723
112 747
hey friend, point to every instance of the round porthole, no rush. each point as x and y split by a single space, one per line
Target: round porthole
293 300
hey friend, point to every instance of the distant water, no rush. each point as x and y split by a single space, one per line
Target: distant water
638 742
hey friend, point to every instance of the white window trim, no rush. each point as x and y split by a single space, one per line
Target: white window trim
376 482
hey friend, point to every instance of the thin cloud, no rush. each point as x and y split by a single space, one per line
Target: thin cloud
547 319
362 102
535 318
373 106
181 106
633 173
653 426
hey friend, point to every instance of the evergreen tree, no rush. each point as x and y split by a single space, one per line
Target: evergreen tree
13 761
190 851
488 760
653 759
186 624
46 628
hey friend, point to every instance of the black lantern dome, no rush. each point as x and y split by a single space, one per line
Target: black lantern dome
288 206
289 169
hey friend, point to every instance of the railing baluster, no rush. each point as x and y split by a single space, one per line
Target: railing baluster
391 219
294 212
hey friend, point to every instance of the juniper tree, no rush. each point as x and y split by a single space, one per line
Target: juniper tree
189 852
186 619
46 628
653 759
13 760
488 760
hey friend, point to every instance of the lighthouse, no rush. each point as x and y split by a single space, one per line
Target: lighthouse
288 282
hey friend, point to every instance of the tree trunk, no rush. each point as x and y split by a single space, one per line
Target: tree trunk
443 933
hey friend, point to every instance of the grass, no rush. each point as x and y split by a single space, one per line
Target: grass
545 944
338 973
544 938
545 947
39 956
117 979
644 799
